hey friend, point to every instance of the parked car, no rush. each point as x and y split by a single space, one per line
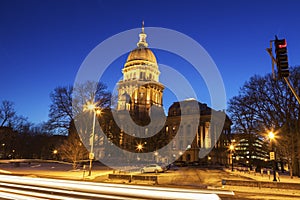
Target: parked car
152 168
180 163
172 166
194 163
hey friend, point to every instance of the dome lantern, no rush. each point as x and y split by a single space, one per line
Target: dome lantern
142 43
142 54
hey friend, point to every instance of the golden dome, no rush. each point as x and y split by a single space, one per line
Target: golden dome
141 54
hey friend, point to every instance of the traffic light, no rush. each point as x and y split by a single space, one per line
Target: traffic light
281 58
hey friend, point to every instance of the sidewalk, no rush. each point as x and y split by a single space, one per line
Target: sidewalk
54 170
265 177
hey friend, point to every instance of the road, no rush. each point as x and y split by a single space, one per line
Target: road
24 187
19 187
170 183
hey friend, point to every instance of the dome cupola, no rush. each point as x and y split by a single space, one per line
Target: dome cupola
142 54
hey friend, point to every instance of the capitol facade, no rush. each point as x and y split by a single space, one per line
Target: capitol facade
142 126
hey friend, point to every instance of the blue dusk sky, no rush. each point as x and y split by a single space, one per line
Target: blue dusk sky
44 42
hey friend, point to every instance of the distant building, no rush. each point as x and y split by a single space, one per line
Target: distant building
250 150
206 133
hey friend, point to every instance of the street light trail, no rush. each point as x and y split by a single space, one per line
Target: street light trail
34 195
25 190
13 196
115 190
87 185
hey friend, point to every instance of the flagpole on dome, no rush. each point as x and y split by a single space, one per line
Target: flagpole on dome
142 43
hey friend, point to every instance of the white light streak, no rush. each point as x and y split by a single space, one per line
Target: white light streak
112 189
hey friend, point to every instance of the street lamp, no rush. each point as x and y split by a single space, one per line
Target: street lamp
271 136
231 148
55 154
156 156
139 147
96 111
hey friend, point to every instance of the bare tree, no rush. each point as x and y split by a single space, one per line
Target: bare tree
68 102
90 93
67 106
72 149
9 118
60 113
7 113
265 104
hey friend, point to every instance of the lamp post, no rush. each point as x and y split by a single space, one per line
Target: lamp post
271 136
231 148
55 154
3 154
156 156
96 111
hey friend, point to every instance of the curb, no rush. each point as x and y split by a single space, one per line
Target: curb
261 184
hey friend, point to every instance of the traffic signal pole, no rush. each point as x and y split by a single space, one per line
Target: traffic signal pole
292 89
269 50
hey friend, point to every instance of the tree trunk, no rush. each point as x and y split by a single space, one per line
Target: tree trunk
74 165
290 168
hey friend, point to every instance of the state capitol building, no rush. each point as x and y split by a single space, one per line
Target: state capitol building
140 96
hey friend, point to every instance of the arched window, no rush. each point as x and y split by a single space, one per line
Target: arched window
188 157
